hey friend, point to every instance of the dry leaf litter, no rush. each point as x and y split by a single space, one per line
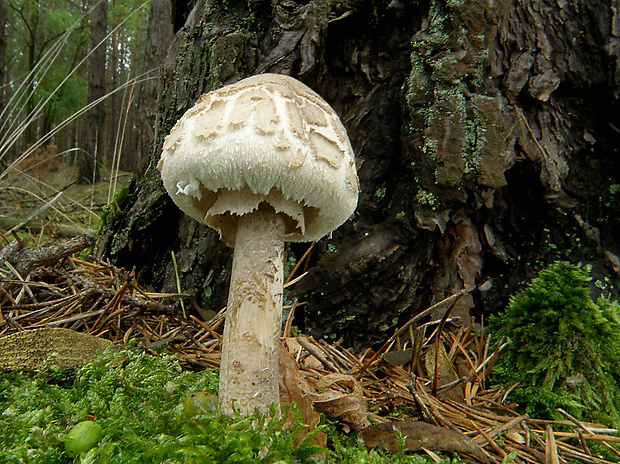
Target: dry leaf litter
424 389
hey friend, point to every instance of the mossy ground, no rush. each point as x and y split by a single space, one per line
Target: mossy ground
137 399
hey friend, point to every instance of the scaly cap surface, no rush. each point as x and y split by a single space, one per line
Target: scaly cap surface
268 138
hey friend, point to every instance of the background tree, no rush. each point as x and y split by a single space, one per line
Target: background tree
35 40
158 39
47 81
93 146
486 141
127 64
2 55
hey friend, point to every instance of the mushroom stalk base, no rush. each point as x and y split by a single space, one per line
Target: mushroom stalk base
249 367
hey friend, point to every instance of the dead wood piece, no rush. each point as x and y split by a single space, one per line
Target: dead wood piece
25 261
59 230
28 350
10 250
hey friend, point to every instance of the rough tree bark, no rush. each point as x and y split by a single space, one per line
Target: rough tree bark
486 136
93 130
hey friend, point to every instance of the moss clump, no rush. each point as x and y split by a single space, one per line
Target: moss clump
115 210
139 403
564 347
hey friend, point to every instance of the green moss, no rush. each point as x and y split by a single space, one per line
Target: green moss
115 210
564 347
138 401
439 29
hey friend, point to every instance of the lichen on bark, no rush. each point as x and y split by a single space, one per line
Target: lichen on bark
464 126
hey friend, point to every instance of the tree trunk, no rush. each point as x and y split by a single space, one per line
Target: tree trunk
3 79
159 36
486 137
116 77
93 147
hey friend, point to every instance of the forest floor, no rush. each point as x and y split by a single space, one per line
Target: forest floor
437 395
47 205
445 383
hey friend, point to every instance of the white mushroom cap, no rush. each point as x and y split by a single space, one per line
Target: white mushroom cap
268 138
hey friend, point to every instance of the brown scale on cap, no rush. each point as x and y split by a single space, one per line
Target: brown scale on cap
309 116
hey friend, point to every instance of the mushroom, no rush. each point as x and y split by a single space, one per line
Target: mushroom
261 161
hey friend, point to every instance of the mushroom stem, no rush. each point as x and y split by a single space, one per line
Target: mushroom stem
249 367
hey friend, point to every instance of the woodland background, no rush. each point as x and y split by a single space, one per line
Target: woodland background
58 56
486 136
